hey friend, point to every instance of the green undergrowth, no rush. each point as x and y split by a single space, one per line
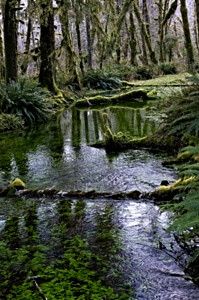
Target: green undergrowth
10 122
164 80
182 125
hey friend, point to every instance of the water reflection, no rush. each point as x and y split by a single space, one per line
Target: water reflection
87 126
57 155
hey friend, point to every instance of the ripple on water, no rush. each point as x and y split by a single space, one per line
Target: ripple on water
156 273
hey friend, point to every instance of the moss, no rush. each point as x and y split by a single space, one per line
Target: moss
166 80
17 183
185 156
167 193
152 94
139 94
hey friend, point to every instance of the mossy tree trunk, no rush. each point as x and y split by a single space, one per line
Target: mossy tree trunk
2 63
88 37
10 40
187 34
120 15
47 46
133 42
77 6
161 29
71 72
197 19
144 32
145 15
24 66
164 16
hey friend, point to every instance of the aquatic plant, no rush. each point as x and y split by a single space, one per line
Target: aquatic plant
26 99
67 267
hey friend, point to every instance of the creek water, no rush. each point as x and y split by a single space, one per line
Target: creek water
131 234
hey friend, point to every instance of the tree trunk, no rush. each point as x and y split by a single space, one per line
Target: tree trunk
72 75
47 46
10 41
77 6
187 34
89 40
144 33
2 65
146 15
24 66
161 29
197 18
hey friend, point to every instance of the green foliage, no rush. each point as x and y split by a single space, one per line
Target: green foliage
25 99
143 72
102 79
186 217
167 68
10 122
182 123
182 113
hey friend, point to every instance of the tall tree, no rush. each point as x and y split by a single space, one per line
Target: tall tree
47 45
187 34
10 40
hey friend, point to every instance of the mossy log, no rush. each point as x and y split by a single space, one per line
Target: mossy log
4 192
132 95
166 193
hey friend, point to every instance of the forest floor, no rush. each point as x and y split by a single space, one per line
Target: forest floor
164 80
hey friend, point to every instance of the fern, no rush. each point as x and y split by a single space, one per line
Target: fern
26 99
102 79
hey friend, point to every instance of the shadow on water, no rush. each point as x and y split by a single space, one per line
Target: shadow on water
87 249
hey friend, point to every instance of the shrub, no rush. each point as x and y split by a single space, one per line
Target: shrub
10 122
102 79
143 72
167 68
26 99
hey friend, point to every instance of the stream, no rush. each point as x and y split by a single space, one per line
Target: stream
128 237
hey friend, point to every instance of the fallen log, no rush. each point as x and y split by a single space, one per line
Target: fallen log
28 193
132 95
163 194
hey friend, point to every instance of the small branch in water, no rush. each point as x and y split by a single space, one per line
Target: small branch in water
39 290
